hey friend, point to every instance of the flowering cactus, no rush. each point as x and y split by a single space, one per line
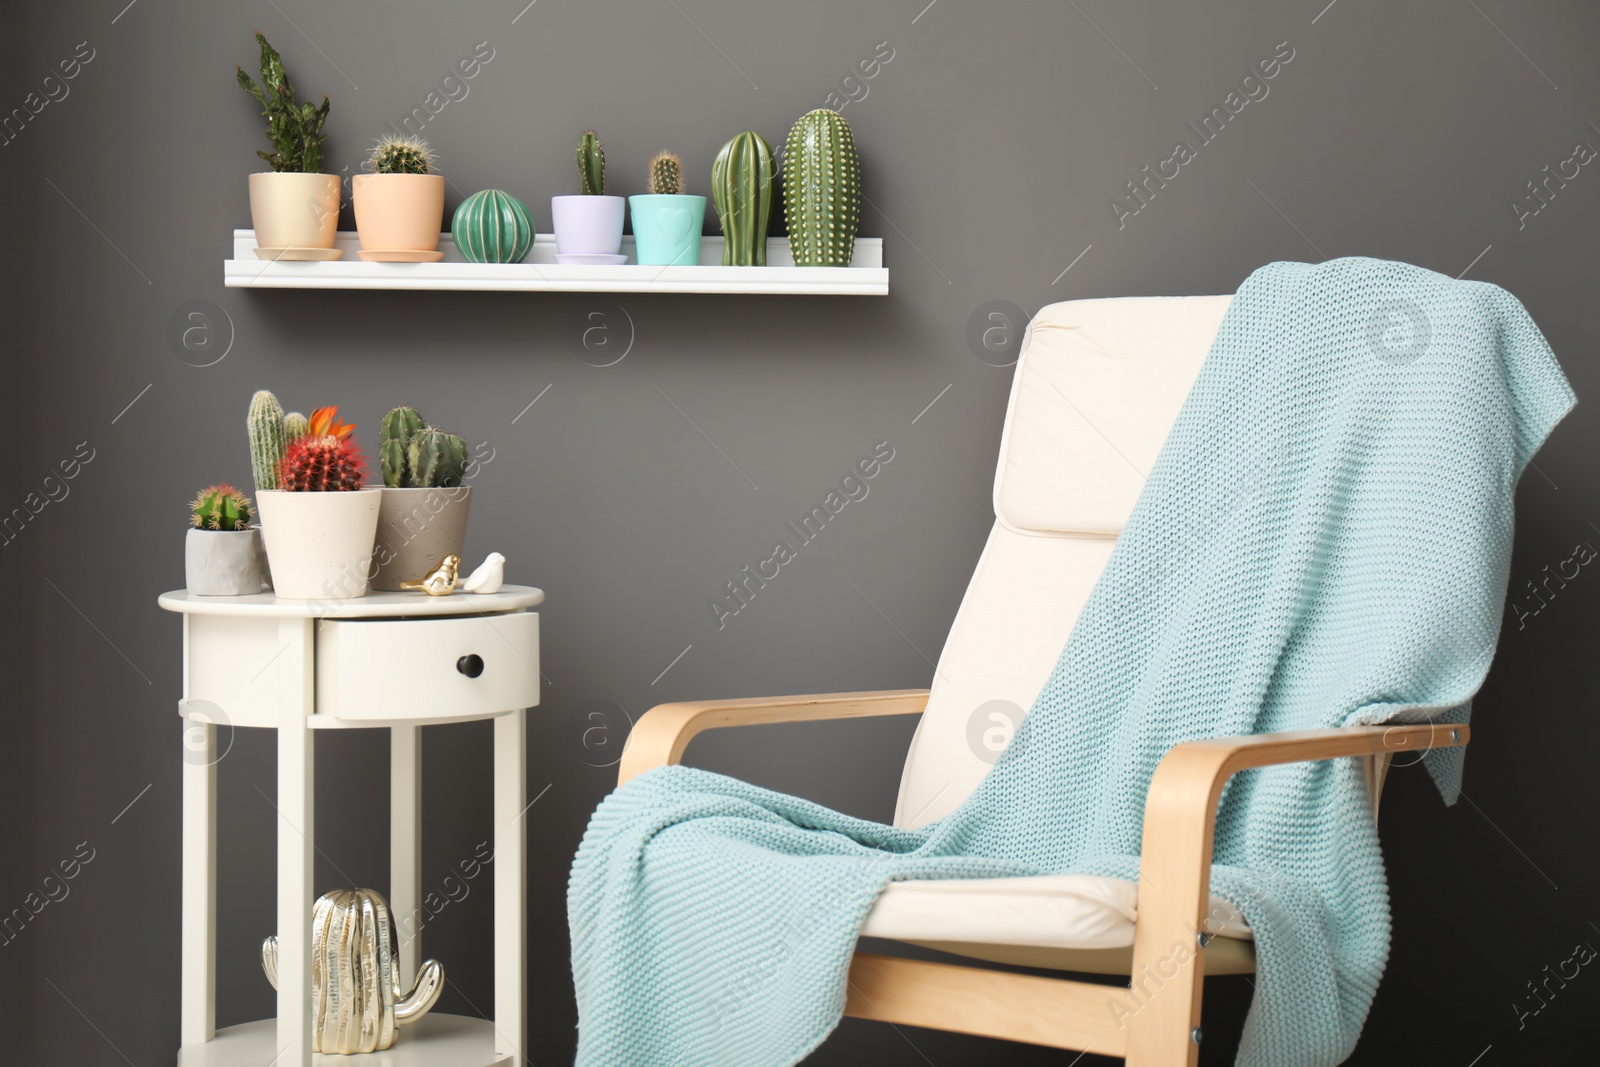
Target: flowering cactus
325 459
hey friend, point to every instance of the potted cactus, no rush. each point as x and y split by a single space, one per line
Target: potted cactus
294 208
666 220
222 553
318 523
400 204
589 226
423 515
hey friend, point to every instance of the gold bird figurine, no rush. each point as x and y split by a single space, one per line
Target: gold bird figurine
441 581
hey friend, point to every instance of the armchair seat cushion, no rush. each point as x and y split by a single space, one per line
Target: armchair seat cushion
1067 911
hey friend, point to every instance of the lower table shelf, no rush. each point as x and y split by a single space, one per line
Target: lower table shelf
432 1041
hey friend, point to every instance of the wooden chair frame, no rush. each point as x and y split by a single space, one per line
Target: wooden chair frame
1155 1020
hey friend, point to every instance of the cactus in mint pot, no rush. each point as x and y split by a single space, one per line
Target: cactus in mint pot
821 190
741 189
423 515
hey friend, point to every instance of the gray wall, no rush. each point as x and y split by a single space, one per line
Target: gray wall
994 141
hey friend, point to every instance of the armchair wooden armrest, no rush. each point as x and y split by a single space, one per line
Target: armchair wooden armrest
663 732
1175 874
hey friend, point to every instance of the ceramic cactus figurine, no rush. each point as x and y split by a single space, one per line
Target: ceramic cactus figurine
665 174
221 507
741 190
395 433
436 458
492 226
295 426
356 1001
591 166
267 439
401 155
821 190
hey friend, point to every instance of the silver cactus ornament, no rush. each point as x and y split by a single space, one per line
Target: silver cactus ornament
357 1005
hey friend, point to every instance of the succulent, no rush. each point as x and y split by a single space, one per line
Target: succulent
436 459
295 425
666 174
591 166
221 507
741 189
821 190
325 459
401 155
294 127
267 439
394 438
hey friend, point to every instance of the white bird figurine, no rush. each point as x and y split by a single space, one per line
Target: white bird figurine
487 578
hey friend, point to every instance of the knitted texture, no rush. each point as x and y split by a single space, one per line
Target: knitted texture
1324 541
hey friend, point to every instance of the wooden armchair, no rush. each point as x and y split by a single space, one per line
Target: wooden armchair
1096 389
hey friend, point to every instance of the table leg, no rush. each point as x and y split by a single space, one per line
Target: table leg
296 828
510 876
405 847
198 1015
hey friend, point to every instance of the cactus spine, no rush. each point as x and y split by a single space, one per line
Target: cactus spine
221 507
821 190
267 439
591 166
666 174
436 459
401 155
395 433
741 190
295 426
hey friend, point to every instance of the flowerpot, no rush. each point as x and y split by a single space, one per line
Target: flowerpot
294 210
319 545
588 225
222 562
666 228
398 211
416 529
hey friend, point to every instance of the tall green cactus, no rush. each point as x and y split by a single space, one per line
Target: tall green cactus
267 439
591 166
436 458
295 426
665 176
741 190
821 190
394 439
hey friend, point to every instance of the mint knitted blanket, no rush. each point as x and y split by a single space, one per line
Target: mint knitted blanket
1324 541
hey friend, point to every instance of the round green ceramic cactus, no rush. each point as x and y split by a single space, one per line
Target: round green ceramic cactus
492 227
821 190
741 189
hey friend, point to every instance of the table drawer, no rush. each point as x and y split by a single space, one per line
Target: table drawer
452 668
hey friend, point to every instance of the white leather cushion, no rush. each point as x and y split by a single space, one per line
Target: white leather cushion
1097 387
1055 911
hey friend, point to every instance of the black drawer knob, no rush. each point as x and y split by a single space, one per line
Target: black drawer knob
470 665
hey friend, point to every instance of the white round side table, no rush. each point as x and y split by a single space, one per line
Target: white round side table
396 661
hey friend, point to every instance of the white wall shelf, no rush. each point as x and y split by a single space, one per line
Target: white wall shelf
539 272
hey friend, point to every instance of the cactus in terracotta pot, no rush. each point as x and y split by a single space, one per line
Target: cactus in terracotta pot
401 155
821 190
741 190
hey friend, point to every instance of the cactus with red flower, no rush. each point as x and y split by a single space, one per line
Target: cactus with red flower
325 459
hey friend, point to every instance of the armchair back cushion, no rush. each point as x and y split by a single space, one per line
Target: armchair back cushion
1096 389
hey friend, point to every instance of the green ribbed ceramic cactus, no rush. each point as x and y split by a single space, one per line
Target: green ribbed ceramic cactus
821 190
394 439
492 227
295 426
741 189
591 166
436 458
267 439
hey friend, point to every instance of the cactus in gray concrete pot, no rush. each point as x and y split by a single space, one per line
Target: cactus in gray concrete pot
821 190
423 516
